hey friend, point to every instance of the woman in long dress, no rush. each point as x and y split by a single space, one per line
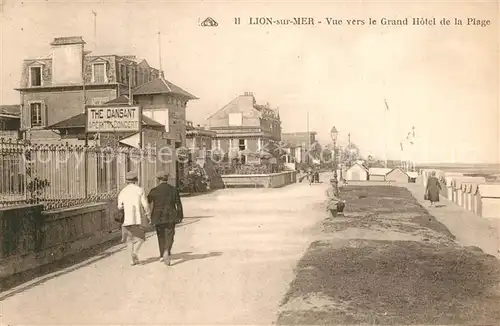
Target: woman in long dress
433 189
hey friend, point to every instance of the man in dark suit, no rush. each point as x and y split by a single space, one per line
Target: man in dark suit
166 213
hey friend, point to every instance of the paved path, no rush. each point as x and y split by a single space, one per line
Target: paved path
233 260
468 228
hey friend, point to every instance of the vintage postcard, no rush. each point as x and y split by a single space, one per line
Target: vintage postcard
249 162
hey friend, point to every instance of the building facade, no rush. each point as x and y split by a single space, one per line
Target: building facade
298 143
163 101
56 90
56 87
243 126
198 138
9 121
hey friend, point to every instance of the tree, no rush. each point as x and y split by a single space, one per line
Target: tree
349 154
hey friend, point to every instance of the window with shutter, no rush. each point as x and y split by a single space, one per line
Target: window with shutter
36 114
99 73
36 76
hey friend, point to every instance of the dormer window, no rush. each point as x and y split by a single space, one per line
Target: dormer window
99 73
36 76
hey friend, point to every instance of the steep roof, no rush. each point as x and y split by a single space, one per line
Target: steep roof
79 121
68 40
242 103
357 164
122 99
397 168
161 86
13 110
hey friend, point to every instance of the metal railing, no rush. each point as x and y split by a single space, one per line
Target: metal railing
67 175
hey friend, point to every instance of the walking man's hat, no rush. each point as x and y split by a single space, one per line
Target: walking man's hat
162 175
131 176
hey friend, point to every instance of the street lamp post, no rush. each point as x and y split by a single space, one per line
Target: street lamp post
334 134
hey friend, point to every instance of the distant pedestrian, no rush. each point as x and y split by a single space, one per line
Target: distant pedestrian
432 189
167 212
316 175
310 175
132 200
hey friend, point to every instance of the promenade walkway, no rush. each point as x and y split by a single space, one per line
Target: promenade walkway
233 260
468 228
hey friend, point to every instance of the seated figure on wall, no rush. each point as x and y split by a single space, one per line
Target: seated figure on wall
334 204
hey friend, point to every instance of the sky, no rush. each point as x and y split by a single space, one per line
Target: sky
443 80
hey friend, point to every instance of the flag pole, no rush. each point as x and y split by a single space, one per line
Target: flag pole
159 55
413 150
308 138
95 29
385 132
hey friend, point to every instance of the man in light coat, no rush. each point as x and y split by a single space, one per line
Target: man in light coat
333 198
132 200
167 212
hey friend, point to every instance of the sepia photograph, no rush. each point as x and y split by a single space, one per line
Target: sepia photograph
282 162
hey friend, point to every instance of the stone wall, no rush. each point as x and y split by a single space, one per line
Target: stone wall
31 238
273 180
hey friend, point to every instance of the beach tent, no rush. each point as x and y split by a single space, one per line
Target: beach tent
356 172
460 192
473 204
446 183
378 174
397 175
467 196
488 200
457 182
413 176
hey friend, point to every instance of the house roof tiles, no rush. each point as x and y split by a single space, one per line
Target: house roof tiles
12 110
161 86
79 121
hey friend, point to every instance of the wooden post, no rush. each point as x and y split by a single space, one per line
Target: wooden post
141 147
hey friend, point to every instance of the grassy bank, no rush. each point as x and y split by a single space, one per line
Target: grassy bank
389 262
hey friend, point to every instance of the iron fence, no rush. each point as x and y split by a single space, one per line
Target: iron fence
67 175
